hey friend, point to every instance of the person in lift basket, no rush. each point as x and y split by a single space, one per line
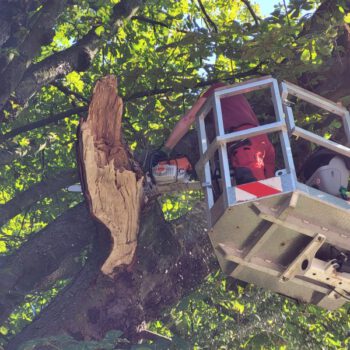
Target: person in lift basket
253 160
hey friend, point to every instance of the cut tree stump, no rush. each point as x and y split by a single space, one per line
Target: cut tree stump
112 184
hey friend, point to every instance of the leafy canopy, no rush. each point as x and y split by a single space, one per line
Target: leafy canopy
163 57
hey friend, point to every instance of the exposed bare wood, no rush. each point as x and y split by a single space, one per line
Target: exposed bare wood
113 189
172 259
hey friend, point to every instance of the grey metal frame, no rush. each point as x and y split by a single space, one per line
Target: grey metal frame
207 150
273 241
294 90
319 101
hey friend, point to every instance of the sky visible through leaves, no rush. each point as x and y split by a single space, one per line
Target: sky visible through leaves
267 6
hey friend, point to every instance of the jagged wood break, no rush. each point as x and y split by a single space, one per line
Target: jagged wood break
113 186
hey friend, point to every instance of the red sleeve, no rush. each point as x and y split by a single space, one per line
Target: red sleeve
269 161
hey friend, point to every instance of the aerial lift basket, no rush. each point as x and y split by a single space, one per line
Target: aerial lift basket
277 233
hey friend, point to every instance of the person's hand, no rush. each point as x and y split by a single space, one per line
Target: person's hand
159 155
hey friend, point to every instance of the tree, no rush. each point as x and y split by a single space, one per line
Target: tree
163 52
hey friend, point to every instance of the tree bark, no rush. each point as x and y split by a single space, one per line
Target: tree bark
15 23
38 191
331 79
171 260
42 260
134 273
78 57
40 32
335 83
42 122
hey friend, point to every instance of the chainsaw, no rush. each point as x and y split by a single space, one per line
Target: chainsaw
165 175
177 169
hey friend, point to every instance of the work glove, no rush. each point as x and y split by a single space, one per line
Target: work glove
159 155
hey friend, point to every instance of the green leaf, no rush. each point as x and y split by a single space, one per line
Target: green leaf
99 30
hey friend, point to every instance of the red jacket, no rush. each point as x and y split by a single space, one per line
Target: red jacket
236 110
237 114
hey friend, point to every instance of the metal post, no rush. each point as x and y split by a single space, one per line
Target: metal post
346 124
284 137
205 177
223 158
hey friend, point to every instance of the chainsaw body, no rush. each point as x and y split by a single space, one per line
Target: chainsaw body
173 170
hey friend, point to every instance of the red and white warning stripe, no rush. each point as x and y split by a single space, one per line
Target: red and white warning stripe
258 189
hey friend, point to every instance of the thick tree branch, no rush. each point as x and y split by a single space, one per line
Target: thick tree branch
78 58
68 268
43 122
41 33
38 191
42 259
330 80
333 82
15 22
326 14
171 261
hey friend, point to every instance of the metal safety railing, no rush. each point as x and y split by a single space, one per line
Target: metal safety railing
316 100
283 124
219 144
280 239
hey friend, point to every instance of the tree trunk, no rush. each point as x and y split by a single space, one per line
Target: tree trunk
118 288
171 260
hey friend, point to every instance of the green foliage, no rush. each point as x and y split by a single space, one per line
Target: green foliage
223 314
163 55
177 205
110 342
30 308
